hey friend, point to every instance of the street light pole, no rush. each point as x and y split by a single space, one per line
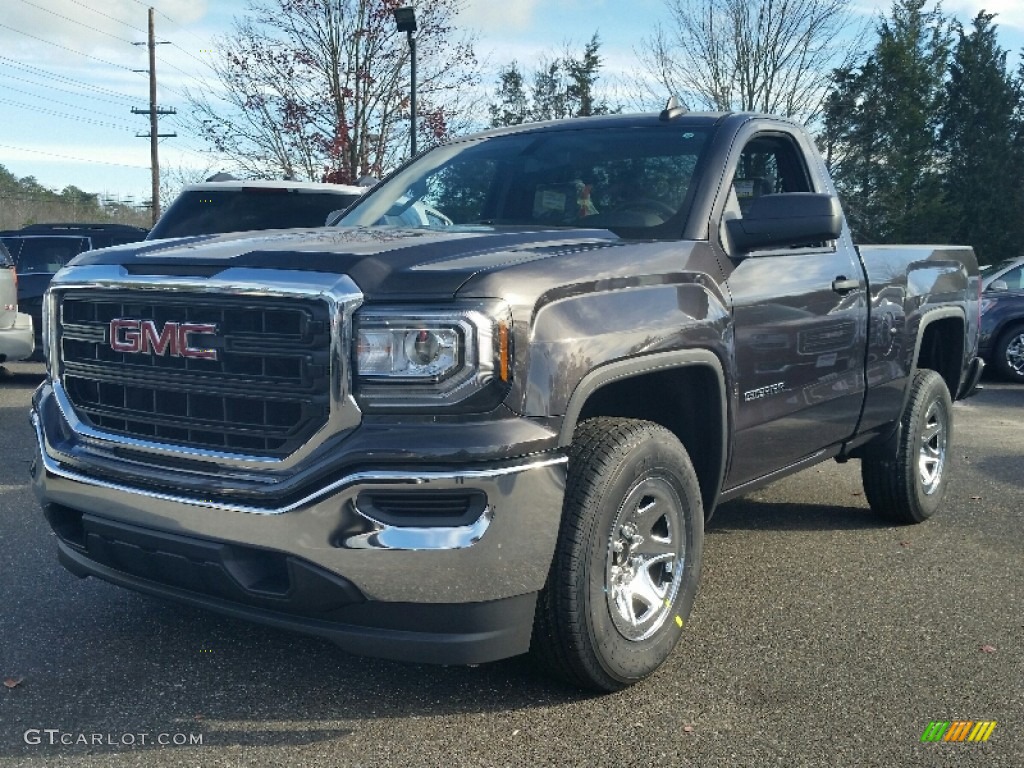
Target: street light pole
405 19
412 94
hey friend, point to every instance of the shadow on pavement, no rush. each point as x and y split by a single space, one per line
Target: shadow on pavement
749 515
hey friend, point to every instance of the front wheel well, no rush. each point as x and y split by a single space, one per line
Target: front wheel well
688 401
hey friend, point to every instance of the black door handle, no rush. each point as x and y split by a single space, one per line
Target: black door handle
844 285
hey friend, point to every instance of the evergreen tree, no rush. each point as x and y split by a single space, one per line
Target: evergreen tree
511 107
582 76
983 165
548 95
560 87
883 123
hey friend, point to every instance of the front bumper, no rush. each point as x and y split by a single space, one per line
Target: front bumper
19 341
411 584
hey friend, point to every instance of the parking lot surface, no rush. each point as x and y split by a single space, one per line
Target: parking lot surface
821 636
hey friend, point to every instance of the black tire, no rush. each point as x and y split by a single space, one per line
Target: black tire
905 480
1008 354
616 600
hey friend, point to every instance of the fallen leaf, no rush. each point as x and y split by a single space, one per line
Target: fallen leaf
855 493
904 543
515 732
688 728
13 682
975 498
988 649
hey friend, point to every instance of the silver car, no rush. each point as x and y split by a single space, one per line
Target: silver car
17 340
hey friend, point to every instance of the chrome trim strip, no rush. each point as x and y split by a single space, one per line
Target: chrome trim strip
340 293
382 476
409 538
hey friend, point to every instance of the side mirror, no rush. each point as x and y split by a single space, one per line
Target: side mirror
998 285
786 220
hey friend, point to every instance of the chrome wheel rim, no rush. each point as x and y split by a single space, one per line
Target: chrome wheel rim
645 559
1015 354
932 454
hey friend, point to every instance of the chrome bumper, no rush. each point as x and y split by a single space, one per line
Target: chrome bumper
504 552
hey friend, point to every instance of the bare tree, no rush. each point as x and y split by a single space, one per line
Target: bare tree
173 178
771 56
319 89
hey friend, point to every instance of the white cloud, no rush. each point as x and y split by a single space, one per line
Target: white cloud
105 30
1009 13
489 16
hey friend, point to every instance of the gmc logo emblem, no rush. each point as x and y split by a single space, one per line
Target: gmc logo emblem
142 336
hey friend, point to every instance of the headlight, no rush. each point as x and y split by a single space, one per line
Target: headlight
412 358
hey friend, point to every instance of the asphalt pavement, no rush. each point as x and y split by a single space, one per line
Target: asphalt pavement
821 636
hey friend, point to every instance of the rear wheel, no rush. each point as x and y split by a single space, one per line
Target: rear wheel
627 563
905 480
1008 354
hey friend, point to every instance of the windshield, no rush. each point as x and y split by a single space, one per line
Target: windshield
635 182
208 212
992 272
44 255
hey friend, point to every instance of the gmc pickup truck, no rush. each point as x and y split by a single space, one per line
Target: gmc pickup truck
501 428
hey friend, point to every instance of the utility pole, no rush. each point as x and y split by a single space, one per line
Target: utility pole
154 111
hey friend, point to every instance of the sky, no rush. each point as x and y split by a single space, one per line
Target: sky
67 85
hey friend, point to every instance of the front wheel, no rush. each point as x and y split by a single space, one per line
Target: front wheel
627 563
905 480
1008 354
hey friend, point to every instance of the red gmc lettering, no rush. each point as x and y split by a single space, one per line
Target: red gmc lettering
158 345
129 340
184 329
135 336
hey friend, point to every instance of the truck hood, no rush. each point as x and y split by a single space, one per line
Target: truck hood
383 262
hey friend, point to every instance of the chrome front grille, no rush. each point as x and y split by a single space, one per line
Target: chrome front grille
267 391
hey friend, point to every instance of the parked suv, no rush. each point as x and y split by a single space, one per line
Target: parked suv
100 235
239 206
16 337
40 250
38 258
1002 318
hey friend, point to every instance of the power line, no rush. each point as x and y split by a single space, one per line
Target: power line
75 21
107 15
172 66
70 157
64 47
91 96
53 75
64 103
54 113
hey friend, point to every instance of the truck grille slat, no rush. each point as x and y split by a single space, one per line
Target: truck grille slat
266 393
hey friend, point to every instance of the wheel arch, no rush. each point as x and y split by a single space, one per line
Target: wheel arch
941 346
684 391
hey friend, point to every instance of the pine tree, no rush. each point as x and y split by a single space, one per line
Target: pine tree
884 124
983 165
583 73
511 107
562 86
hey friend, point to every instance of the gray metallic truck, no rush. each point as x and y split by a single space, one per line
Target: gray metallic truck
501 427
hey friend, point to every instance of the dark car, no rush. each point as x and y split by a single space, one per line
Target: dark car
100 235
1002 318
40 250
240 206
